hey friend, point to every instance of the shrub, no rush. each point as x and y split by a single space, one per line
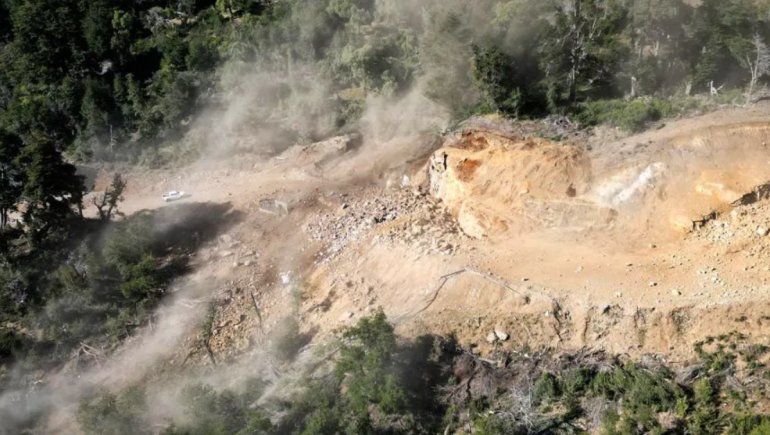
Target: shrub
706 417
574 381
546 388
491 424
750 425
111 414
631 116
142 279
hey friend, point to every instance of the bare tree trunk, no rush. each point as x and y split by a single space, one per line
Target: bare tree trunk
575 52
759 66
752 84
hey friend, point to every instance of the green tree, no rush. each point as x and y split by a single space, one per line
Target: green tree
47 64
723 32
97 27
5 21
53 191
231 9
506 81
126 32
10 175
582 49
366 369
658 55
47 39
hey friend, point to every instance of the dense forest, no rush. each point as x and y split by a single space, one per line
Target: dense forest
122 81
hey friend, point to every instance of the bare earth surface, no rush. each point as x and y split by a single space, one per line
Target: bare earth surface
642 244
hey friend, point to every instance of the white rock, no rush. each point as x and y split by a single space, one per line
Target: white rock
501 335
491 337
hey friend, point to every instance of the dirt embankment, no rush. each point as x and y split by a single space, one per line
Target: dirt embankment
560 245
584 243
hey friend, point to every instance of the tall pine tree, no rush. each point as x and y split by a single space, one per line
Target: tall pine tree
10 176
52 190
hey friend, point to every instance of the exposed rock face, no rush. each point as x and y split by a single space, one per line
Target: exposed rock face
495 180
485 178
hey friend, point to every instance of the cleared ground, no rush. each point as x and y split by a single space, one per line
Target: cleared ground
634 245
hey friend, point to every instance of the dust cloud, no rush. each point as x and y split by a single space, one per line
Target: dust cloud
262 108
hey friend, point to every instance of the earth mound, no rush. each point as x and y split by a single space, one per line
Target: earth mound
494 182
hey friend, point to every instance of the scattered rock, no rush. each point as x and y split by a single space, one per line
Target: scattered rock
501 335
491 337
285 278
422 221
274 207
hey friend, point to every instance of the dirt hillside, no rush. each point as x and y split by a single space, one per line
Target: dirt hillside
646 243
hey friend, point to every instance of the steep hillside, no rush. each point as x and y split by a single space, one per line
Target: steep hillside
555 243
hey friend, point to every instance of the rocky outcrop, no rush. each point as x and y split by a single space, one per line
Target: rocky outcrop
487 178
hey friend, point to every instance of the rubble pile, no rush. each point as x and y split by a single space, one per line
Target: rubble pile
227 248
403 215
739 227
430 228
355 217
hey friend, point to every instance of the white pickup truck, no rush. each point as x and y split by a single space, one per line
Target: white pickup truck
173 196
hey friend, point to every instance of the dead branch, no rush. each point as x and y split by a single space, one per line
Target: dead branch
259 313
210 352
